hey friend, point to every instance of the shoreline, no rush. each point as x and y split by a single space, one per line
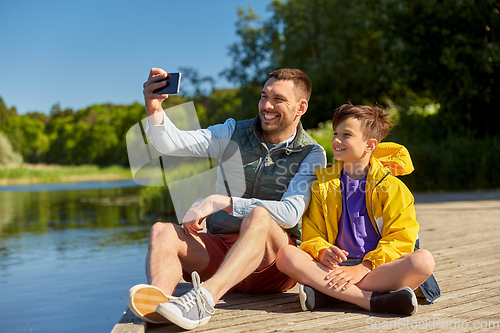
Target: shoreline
32 174
70 179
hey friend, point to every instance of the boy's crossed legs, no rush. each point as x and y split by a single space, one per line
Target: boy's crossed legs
410 270
172 252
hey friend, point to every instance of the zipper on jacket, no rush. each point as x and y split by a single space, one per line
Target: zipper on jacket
259 171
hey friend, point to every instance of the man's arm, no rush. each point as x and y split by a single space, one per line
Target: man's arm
170 140
288 211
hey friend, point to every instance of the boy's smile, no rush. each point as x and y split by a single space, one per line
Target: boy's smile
348 142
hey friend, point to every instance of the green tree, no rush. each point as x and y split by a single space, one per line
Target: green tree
253 58
26 134
5 113
450 51
402 52
7 155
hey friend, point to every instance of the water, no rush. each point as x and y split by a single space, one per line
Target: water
68 256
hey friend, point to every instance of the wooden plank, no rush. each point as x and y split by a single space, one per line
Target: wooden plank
129 323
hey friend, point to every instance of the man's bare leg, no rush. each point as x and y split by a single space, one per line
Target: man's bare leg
259 241
171 250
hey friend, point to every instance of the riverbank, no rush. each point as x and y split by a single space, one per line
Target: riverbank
26 174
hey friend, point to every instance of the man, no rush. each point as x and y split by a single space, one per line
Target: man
279 159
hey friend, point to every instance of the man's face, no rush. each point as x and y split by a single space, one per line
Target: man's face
278 107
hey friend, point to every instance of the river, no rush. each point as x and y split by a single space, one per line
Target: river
68 255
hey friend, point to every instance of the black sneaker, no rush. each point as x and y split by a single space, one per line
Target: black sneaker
399 302
311 299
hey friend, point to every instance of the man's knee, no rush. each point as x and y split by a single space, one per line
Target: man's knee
258 218
163 233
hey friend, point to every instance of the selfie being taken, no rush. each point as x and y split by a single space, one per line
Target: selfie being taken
249 166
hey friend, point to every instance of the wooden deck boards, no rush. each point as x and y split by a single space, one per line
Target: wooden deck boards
462 231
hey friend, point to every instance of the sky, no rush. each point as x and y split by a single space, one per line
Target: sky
79 53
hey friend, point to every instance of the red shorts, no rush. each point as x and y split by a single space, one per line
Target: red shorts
267 280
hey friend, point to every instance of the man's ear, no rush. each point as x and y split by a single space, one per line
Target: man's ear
371 145
303 105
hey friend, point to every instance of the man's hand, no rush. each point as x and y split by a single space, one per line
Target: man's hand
342 277
152 100
202 209
332 256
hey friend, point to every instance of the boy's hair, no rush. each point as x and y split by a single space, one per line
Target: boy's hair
374 121
300 80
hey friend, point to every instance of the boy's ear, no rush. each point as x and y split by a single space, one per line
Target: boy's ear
371 145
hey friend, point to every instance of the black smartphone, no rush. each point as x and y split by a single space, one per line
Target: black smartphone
172 86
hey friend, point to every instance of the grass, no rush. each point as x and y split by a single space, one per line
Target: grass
42 173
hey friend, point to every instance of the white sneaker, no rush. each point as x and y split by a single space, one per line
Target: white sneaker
143 299
190 310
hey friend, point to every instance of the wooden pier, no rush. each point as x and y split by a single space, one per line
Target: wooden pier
462 231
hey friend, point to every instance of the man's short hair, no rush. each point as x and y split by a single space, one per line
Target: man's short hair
374 121
300 80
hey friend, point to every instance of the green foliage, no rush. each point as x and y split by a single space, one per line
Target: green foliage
25 133
34 174
156 200
254 57
450 51
457 163
7 155
95 135
388 51
323 135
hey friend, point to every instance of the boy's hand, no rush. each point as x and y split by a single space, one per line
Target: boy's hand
152 100
342 277
332 256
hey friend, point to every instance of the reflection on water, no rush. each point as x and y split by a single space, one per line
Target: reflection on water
68 258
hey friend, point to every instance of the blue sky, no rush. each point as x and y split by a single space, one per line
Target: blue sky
78 53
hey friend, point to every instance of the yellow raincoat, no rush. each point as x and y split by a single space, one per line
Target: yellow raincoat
389 204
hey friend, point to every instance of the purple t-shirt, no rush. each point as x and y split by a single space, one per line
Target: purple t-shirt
356 232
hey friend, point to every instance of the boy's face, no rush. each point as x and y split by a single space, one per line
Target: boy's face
348 143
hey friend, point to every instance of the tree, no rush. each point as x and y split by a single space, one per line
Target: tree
254 57
7 155
401 52
448 50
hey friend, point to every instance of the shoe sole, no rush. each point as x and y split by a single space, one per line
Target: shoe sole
142 301
172 313
414 301
302 298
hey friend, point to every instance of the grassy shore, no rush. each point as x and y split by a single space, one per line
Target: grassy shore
42 173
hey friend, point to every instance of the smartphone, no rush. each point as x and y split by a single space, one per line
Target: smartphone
172 86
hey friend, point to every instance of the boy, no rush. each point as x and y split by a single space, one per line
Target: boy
360 230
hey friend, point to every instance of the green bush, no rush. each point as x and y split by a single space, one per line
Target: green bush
456 163
156 202
7 155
